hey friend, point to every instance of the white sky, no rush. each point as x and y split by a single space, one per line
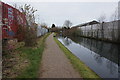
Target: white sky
61 0
79 11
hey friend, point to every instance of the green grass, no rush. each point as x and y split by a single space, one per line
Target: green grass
34 56
83 70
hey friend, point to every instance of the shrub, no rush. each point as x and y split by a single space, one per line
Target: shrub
30 36
27 34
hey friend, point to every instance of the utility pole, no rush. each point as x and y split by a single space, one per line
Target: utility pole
102 30
0 40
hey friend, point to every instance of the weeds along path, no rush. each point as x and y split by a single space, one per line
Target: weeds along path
54 62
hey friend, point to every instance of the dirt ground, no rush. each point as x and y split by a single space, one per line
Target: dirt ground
54 62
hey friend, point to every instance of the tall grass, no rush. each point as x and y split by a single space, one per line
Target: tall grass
34 56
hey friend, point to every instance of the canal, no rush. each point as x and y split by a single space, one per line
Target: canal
101 57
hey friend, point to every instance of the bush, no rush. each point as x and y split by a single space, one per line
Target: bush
30 36
76 32
72 32
27 34
20 33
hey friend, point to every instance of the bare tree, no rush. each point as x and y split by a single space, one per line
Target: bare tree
28 10
29 13
15 6
102 18
67 24
114 16
44 25
31 26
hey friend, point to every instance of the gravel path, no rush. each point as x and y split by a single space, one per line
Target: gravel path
54 62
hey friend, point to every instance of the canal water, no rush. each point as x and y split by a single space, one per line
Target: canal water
101 57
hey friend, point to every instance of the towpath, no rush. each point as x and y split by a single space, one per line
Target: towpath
54 62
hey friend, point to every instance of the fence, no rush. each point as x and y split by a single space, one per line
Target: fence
105 31
41 31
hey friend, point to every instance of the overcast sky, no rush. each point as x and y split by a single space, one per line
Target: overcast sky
77 12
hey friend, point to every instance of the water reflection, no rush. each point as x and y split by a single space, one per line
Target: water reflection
67 41
100 56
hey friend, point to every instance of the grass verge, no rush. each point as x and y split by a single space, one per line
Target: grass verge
83 70
33 56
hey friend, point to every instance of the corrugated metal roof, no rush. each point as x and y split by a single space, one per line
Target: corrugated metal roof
88 23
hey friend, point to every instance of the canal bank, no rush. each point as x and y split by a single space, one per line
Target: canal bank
99 56
84 70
